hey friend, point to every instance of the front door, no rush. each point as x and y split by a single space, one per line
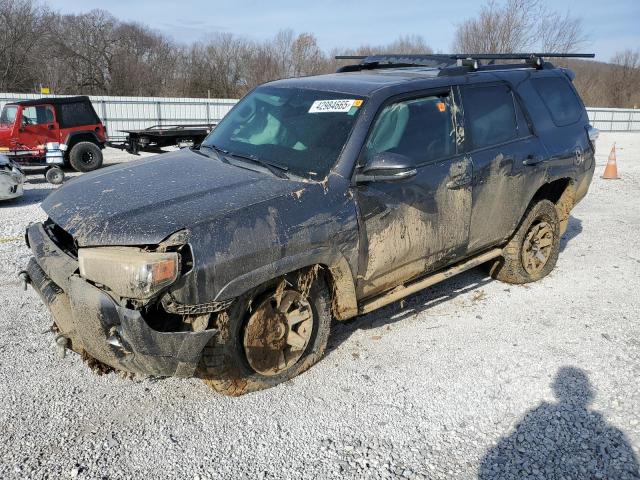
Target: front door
412 226
38 126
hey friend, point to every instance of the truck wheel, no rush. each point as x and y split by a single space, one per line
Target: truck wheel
54 175
85 157
268 338
533 250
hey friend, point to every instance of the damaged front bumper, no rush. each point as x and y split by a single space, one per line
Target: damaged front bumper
97 325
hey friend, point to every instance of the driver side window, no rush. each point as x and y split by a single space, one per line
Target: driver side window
39 115
421 129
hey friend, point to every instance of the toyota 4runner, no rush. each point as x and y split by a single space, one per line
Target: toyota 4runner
314 199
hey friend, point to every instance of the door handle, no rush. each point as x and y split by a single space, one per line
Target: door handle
532 160
50 127
459 181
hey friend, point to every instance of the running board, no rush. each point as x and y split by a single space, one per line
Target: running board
405 290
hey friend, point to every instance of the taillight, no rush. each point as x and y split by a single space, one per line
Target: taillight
593 133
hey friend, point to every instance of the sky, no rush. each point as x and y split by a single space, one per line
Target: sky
610 25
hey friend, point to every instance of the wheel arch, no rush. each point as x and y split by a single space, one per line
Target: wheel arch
333 265
562 193
74 138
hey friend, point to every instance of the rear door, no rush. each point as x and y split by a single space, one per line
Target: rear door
38 126
499 142
412 226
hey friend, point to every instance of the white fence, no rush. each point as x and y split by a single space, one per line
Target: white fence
615 119
132 113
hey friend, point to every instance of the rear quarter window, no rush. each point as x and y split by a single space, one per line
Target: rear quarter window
490 115
77 114
560 100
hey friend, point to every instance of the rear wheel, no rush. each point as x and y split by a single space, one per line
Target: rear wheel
85 157
533 250
268 337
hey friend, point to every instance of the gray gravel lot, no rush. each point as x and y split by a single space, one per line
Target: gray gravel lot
470 378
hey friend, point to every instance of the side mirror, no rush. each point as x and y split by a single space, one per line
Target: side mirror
387 167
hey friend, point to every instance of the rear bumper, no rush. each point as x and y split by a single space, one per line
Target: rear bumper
94 323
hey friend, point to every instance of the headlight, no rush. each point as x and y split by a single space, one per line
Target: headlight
129 272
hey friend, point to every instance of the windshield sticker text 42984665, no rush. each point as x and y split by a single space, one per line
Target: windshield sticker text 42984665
327 106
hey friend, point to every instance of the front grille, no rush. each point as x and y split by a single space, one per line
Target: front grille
61 238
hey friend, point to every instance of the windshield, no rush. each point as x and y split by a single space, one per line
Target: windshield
8 115
301 130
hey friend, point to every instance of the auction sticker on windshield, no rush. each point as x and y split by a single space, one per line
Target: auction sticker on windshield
332 106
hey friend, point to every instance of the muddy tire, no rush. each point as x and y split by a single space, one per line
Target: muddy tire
245 356
85 157
533 250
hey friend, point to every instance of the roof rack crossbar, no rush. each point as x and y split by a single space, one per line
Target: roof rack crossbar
476 56
448 60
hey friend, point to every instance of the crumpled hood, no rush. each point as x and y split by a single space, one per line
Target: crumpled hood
145 201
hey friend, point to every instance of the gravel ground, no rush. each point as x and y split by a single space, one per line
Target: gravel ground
470 378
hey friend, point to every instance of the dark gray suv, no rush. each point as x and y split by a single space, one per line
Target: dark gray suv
314 199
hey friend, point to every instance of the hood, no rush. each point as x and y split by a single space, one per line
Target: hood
145 201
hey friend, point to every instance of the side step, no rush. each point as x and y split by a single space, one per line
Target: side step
417 285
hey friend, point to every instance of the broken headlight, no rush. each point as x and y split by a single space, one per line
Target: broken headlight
129 272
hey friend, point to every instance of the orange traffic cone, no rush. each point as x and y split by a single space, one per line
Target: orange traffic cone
611 170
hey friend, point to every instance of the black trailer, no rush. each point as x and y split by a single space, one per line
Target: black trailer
158 136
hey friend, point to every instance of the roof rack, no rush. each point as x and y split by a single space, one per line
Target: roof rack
456 62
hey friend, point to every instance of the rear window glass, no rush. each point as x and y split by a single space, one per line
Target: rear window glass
560 99
490 116
77 114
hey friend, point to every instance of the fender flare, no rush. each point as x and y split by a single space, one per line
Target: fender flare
344 303
70 137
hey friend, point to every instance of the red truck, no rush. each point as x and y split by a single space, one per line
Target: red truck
50 131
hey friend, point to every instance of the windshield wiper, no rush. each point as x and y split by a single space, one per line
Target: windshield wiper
197 150
278 170
221 153
215 148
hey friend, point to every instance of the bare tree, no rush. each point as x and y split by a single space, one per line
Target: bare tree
143 62
85 45
518 25
23 27
624 79
95 53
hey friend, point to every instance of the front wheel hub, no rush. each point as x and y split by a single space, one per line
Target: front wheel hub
278 332
536 250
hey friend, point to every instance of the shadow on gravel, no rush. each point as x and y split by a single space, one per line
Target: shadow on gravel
563 440
574 228
414 304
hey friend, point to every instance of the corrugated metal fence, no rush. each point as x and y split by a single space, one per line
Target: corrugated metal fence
615 119
130 113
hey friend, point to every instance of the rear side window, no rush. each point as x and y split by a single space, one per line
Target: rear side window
560 99
77 114
490 116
